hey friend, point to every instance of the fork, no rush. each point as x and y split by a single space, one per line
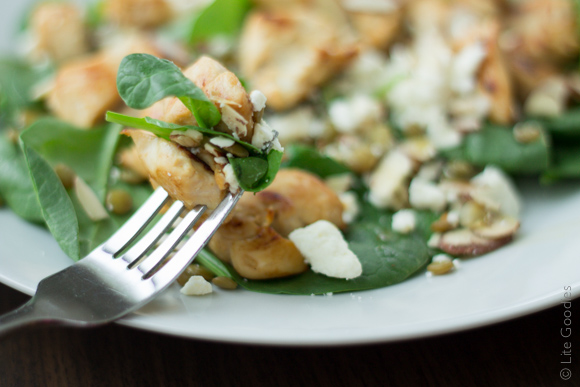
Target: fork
119 276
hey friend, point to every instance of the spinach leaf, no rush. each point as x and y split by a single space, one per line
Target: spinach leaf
255 173
221 17
309 159
143 79
567 124
164 129
16 80
89 153
496 145
249 171
15 185
57 209
565 165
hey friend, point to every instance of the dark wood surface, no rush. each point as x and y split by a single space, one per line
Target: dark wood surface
521 352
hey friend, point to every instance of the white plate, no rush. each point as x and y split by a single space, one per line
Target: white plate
523 277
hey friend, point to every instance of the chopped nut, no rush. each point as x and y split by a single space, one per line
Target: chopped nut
441 264
463 242
193 270
224 283
502 227
471 213
442 224
457 169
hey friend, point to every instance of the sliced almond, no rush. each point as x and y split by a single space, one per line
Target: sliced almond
464 242
89 200
501 228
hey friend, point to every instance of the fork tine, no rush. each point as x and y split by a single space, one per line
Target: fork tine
122 237
135 253
157 257
167 274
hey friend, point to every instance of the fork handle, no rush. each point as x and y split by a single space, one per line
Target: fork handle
24 316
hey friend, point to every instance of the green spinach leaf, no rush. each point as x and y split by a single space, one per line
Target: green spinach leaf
164 129
15 185
143 79
309 159
565 165
57 209
16 81
496 145
89 153
565 125
249 171
220 18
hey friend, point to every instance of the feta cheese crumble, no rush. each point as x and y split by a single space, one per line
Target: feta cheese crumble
231 179
404 221
325 249
425 194
347 115
388 183
264 135
494 185
196 286
258 100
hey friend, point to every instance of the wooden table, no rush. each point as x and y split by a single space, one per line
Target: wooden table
522 352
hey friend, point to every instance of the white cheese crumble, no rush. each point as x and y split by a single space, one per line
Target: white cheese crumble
340 183
222 142
495 186
424 194
428 79
196 286
348 115
434 240
298 124
258 100
264 135
404 221
441 258
453 218
388 182
325 249
351 207
231 178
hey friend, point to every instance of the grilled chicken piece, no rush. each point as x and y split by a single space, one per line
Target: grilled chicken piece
138 13
540 40
63 40
377 30
84 89
177 170
255 239
494 78
287 53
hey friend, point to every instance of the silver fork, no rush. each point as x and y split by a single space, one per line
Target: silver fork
110 283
